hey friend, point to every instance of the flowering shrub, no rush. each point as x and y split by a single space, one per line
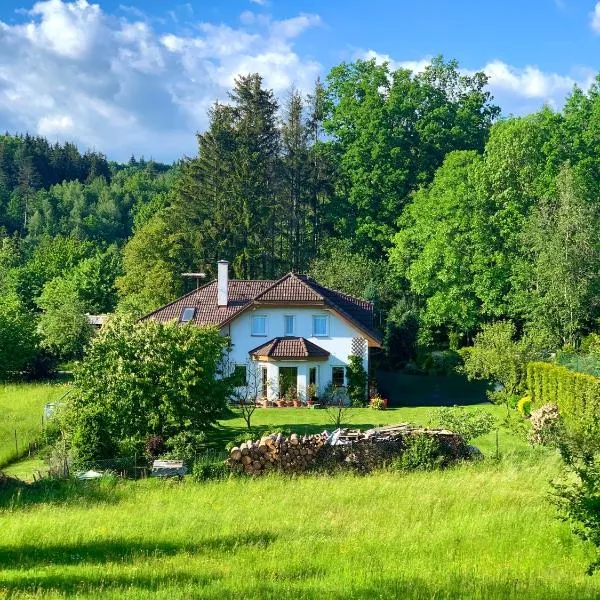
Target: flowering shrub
378 403
545 425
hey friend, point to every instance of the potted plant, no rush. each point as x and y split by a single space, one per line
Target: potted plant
378 403
311 393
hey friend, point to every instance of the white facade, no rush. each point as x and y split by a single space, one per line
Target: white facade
340 341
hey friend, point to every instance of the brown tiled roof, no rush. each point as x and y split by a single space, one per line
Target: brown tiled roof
356 310
204 300
291 288
289 348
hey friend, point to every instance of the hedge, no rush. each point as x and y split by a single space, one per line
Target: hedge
576 394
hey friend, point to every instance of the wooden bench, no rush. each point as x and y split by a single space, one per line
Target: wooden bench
168 468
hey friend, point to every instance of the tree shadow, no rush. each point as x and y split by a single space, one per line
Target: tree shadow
122 551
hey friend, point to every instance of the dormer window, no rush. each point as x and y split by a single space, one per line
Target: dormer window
187 314
289 325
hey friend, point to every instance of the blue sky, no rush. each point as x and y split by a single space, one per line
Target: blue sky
138 76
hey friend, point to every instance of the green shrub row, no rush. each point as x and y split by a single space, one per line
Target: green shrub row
577 395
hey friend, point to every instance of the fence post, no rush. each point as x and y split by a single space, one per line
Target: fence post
497 446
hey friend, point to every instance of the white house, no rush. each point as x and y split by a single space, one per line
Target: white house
289 332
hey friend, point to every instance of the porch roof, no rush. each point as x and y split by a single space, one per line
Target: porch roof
289 348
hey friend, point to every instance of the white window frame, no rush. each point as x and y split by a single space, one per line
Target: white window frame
252 332
315 334
285 332
316 368
185 309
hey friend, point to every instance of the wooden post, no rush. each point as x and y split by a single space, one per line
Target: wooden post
497 445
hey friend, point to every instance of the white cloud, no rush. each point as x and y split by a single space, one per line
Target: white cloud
530 82
595 18
416 66
70 70
68 29
519 89
51 125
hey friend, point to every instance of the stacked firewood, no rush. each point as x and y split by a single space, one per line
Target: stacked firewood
359 450
293 454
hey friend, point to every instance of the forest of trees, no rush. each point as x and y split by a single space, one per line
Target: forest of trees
408 189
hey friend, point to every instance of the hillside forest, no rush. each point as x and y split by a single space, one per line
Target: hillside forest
409 189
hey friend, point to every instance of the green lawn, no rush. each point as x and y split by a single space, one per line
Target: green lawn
308 420
21 410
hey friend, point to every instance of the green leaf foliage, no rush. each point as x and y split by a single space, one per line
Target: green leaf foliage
357 381
145 378
577 396
499 358
18 338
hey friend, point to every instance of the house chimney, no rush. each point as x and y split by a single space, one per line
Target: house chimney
222 282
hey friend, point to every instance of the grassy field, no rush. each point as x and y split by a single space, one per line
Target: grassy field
21 410
477 531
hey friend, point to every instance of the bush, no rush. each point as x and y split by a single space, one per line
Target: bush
146 379
377 403
421 453
524 406
546 426
590 344
155 446
577 396
577 496
185 446
469 424
131 446
89 442
357 381
442 362
203 471
496 357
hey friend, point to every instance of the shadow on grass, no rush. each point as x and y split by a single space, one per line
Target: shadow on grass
122 551
18 494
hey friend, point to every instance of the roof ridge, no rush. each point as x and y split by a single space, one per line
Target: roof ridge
340 291
305 284
270 287
281 280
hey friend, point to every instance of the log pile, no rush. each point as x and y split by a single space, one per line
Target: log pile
293 454
341 449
